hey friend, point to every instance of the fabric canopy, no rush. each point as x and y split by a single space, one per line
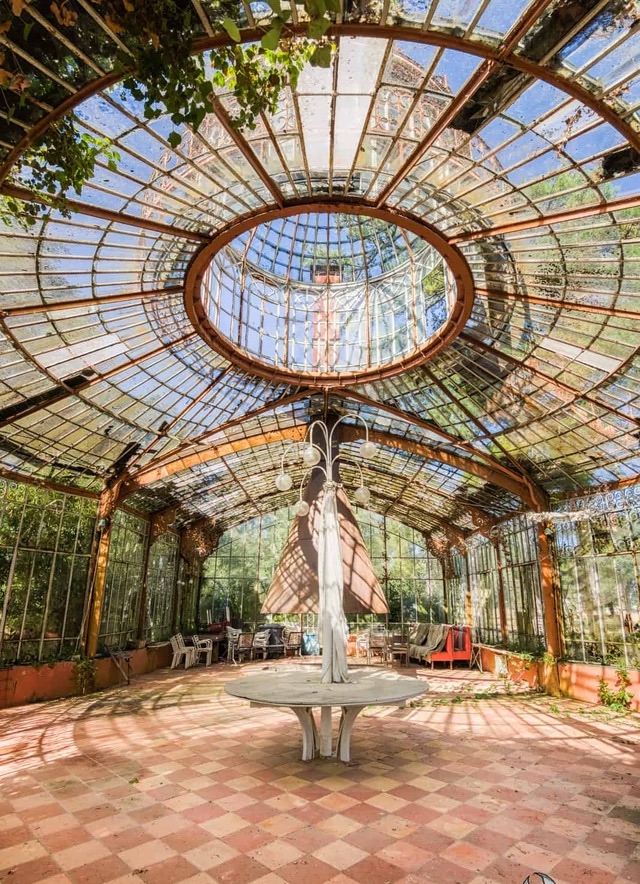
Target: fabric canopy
294 588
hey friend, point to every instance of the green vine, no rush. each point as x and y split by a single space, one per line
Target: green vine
59 162
619 700
84 673
162 72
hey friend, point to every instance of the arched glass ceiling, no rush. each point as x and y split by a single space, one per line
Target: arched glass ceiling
327 293
510 130
314 247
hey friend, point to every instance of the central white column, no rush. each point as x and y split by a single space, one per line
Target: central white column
334 631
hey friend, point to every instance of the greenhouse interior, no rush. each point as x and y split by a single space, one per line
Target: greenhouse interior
276 276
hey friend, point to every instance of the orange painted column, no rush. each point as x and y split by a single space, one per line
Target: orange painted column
550 599
99 586
549 677
109 500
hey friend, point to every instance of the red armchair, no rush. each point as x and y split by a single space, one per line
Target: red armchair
456 647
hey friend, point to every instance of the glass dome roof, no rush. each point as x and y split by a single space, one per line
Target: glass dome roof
327 293
345 247
497 144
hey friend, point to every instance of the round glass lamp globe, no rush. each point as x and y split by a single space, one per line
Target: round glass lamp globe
310 456
362 495
284 482
368 449
302 508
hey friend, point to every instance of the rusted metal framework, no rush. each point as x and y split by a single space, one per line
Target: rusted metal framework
506 139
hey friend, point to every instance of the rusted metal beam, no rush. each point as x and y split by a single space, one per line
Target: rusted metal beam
150 474
355 29
516 487
91 302
64 392
484 71
537 493
162 434
354 434
534 496
13 476
187 449
558 304
535 372
627 202
440 524
522 26
599 489
245 149
21 193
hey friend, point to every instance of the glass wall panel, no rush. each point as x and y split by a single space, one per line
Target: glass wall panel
238 574
598 546
161 587
188 582
125 573
457 587
521 584
483 574
235 579
45 547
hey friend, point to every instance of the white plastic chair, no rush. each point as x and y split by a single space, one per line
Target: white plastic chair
181 651
203 646
362 644
261 644
232 643
190 649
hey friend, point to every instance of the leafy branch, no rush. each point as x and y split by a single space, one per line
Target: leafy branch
61 161
161 72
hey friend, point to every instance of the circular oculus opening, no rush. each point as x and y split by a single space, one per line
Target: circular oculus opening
328 296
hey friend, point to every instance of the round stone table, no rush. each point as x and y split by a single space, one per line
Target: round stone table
301 689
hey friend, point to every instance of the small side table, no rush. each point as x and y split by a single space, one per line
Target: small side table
476 657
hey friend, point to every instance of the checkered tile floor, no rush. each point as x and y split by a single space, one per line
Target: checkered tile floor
170 780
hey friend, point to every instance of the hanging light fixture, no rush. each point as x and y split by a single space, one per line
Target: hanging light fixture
284 482
310 455
362 495
368 449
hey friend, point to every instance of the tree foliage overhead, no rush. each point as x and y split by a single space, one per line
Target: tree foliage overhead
160 70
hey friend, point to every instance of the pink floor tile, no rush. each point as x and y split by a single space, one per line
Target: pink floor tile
170 780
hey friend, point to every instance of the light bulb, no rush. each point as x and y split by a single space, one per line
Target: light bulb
302 508
368 449
284 482
362 495
310 456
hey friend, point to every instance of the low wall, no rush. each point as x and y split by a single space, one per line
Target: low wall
577 680
581 681
29 684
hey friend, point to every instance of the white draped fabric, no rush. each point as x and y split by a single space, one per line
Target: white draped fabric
334 631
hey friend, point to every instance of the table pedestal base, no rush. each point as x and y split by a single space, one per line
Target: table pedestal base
314 745
302 690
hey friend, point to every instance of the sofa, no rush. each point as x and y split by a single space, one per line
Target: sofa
457 647
440 643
